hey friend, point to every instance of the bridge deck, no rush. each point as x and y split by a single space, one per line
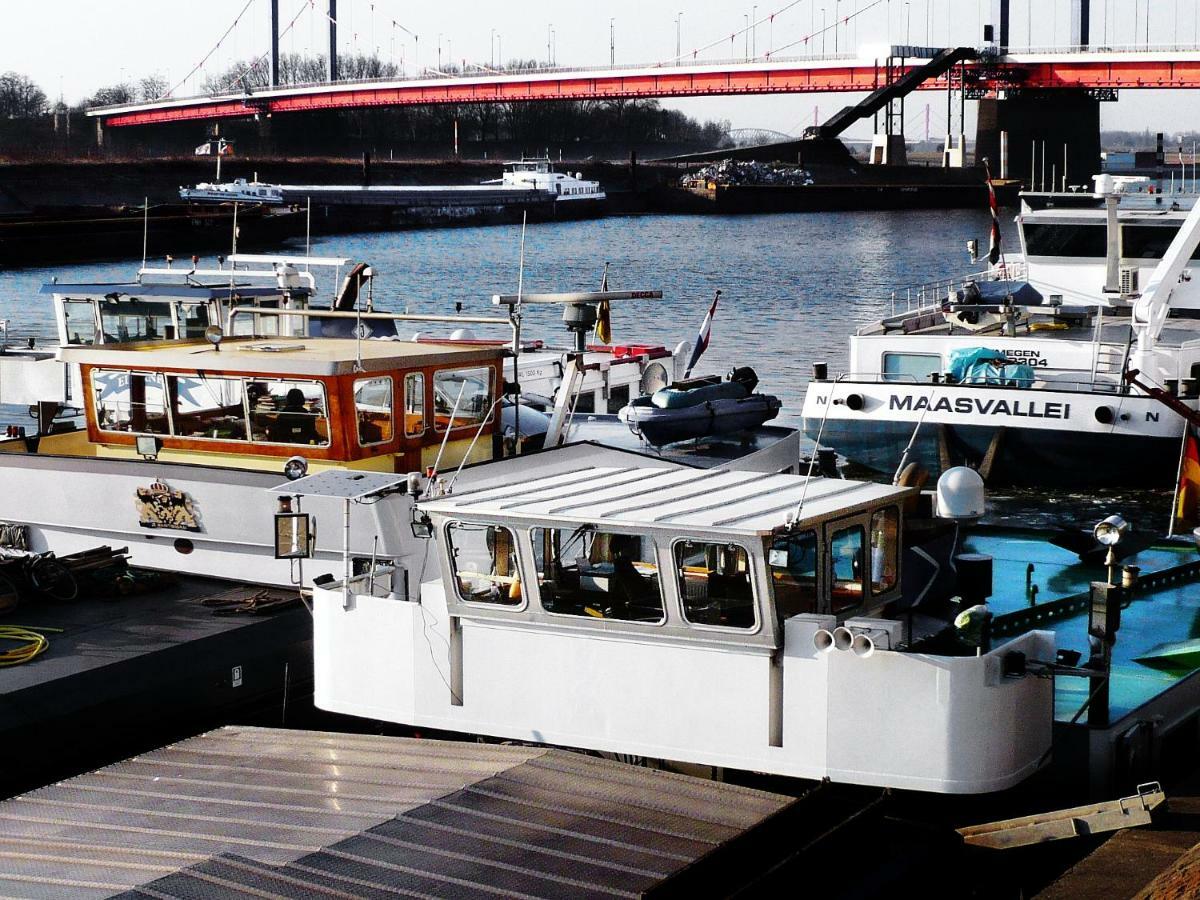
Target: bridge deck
1177 68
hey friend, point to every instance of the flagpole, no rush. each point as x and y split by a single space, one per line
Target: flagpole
703 337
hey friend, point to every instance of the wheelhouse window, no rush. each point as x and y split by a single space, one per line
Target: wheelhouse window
130 319
130 402
715 584
211 407
193 319
288 412
484 561
414 404
461 397
373 410
208 407
846 551
585 572
792 562
79 320
910 366
1082 240
885 531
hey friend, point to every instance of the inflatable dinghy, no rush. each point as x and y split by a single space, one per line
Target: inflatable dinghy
701 407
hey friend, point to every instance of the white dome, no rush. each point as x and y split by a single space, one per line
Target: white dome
960 494
462 334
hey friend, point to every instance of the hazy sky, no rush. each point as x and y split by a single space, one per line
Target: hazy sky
73 47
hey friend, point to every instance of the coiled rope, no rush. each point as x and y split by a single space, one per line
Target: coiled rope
32 642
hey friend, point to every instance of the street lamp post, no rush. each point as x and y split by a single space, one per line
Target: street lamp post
678 51
549 28
492 49
439 52
822 32
746 38
612 43
754 30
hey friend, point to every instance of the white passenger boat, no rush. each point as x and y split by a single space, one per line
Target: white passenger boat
239 190
278 295
590 598
1033 380
180 436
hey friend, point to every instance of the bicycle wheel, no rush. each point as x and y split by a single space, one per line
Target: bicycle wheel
50 577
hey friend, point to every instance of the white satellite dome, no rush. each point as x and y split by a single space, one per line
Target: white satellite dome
960 494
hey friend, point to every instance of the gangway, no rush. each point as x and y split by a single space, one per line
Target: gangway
941 63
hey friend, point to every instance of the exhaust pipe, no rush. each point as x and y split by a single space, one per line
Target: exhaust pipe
862 646
843 637
823 640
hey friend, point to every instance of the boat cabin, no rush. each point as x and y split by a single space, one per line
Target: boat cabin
382 405
597 599
109 313
703 555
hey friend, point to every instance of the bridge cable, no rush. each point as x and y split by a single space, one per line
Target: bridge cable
214 49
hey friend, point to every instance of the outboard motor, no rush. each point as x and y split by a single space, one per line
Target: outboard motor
746 377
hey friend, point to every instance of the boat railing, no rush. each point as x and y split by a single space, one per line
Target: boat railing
378 582
922 297
1101 383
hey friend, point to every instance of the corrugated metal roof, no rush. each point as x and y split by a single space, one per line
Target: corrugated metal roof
250 811
731 501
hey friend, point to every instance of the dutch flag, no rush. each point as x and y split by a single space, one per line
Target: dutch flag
994 238
702 337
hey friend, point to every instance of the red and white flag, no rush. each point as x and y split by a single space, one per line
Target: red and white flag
703 336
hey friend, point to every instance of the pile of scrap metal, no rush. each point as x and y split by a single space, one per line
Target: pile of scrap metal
735 172
27 576
245 601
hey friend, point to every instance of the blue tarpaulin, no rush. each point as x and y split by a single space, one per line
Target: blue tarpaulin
982 365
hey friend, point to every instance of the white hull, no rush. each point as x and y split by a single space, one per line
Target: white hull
893 719
74 504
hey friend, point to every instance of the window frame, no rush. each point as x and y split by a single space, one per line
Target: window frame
862 524
450 426
755 597
391 409
819 577
893 509
168 416
421 393
523 604
902 377
592 620
171 434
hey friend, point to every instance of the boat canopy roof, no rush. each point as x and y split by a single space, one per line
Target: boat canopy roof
712 503
279 356
180 291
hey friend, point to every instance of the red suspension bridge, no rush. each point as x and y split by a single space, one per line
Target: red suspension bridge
1052 70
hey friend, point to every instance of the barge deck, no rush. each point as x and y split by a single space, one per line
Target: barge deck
129 673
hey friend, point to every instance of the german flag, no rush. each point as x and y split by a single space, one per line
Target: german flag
1187 492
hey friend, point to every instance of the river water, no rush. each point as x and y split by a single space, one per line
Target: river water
792 288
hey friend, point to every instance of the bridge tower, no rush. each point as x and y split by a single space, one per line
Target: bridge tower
332 70
1043 137
274 43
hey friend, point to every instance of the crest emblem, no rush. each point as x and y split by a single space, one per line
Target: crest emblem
161 506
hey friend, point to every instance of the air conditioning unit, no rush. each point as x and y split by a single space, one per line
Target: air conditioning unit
1129 279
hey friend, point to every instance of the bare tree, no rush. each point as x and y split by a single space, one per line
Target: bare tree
20 98
152 87
112 95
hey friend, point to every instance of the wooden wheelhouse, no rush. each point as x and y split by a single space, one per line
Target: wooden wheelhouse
253 402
